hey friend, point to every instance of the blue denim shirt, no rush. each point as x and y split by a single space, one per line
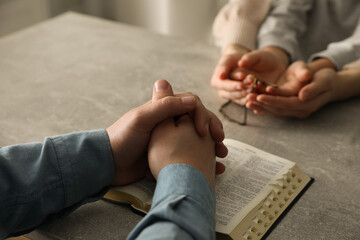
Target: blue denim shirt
45 181
183 207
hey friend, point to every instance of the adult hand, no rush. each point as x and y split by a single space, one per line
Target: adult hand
130 135
311 97
221 79
176 141
267 64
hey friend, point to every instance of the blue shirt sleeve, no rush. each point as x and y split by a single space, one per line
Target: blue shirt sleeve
40 182
183 207
43 181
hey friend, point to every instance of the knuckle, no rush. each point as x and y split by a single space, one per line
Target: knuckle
165 101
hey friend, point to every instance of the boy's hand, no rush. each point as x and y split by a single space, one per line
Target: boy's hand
322 89
292 80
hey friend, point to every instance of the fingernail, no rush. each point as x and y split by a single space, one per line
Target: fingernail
238 87
188 101
161 86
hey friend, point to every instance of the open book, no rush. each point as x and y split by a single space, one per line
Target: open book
252 193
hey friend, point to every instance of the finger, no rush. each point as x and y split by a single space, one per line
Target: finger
233 95
199 114
201 118
237 74
227 84
254 105
221 150
254 85
183 94
300 71
184 120
214 123
216 128
167 125
313 90
291 106
251 97
303 74
149 115
161 89
286 89
297 75
250 78
241 101
221 72
260 88
282 112
263 109
219 168
279 101
226 63
250 59
271 90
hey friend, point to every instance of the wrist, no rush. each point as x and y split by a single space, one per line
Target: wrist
280 54
235 49
321 63
348 84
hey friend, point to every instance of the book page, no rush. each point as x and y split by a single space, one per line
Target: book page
246 181
142 189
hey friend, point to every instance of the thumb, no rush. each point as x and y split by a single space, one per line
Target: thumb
162 88
283 90
303 73
312 90
152 113
226 64
250 59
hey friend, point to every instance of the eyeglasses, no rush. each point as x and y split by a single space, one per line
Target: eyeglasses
227 110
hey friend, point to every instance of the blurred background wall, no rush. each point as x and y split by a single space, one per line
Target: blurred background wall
192 18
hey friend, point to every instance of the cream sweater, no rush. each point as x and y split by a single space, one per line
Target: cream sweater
238 22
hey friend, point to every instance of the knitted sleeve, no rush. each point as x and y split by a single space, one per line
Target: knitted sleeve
238 22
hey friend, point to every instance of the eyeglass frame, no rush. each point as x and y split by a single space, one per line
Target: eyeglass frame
253 89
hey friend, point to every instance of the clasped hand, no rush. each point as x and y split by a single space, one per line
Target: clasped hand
194 139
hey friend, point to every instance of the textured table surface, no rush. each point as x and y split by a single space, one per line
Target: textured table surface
75 73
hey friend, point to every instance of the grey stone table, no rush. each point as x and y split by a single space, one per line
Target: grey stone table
75 73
